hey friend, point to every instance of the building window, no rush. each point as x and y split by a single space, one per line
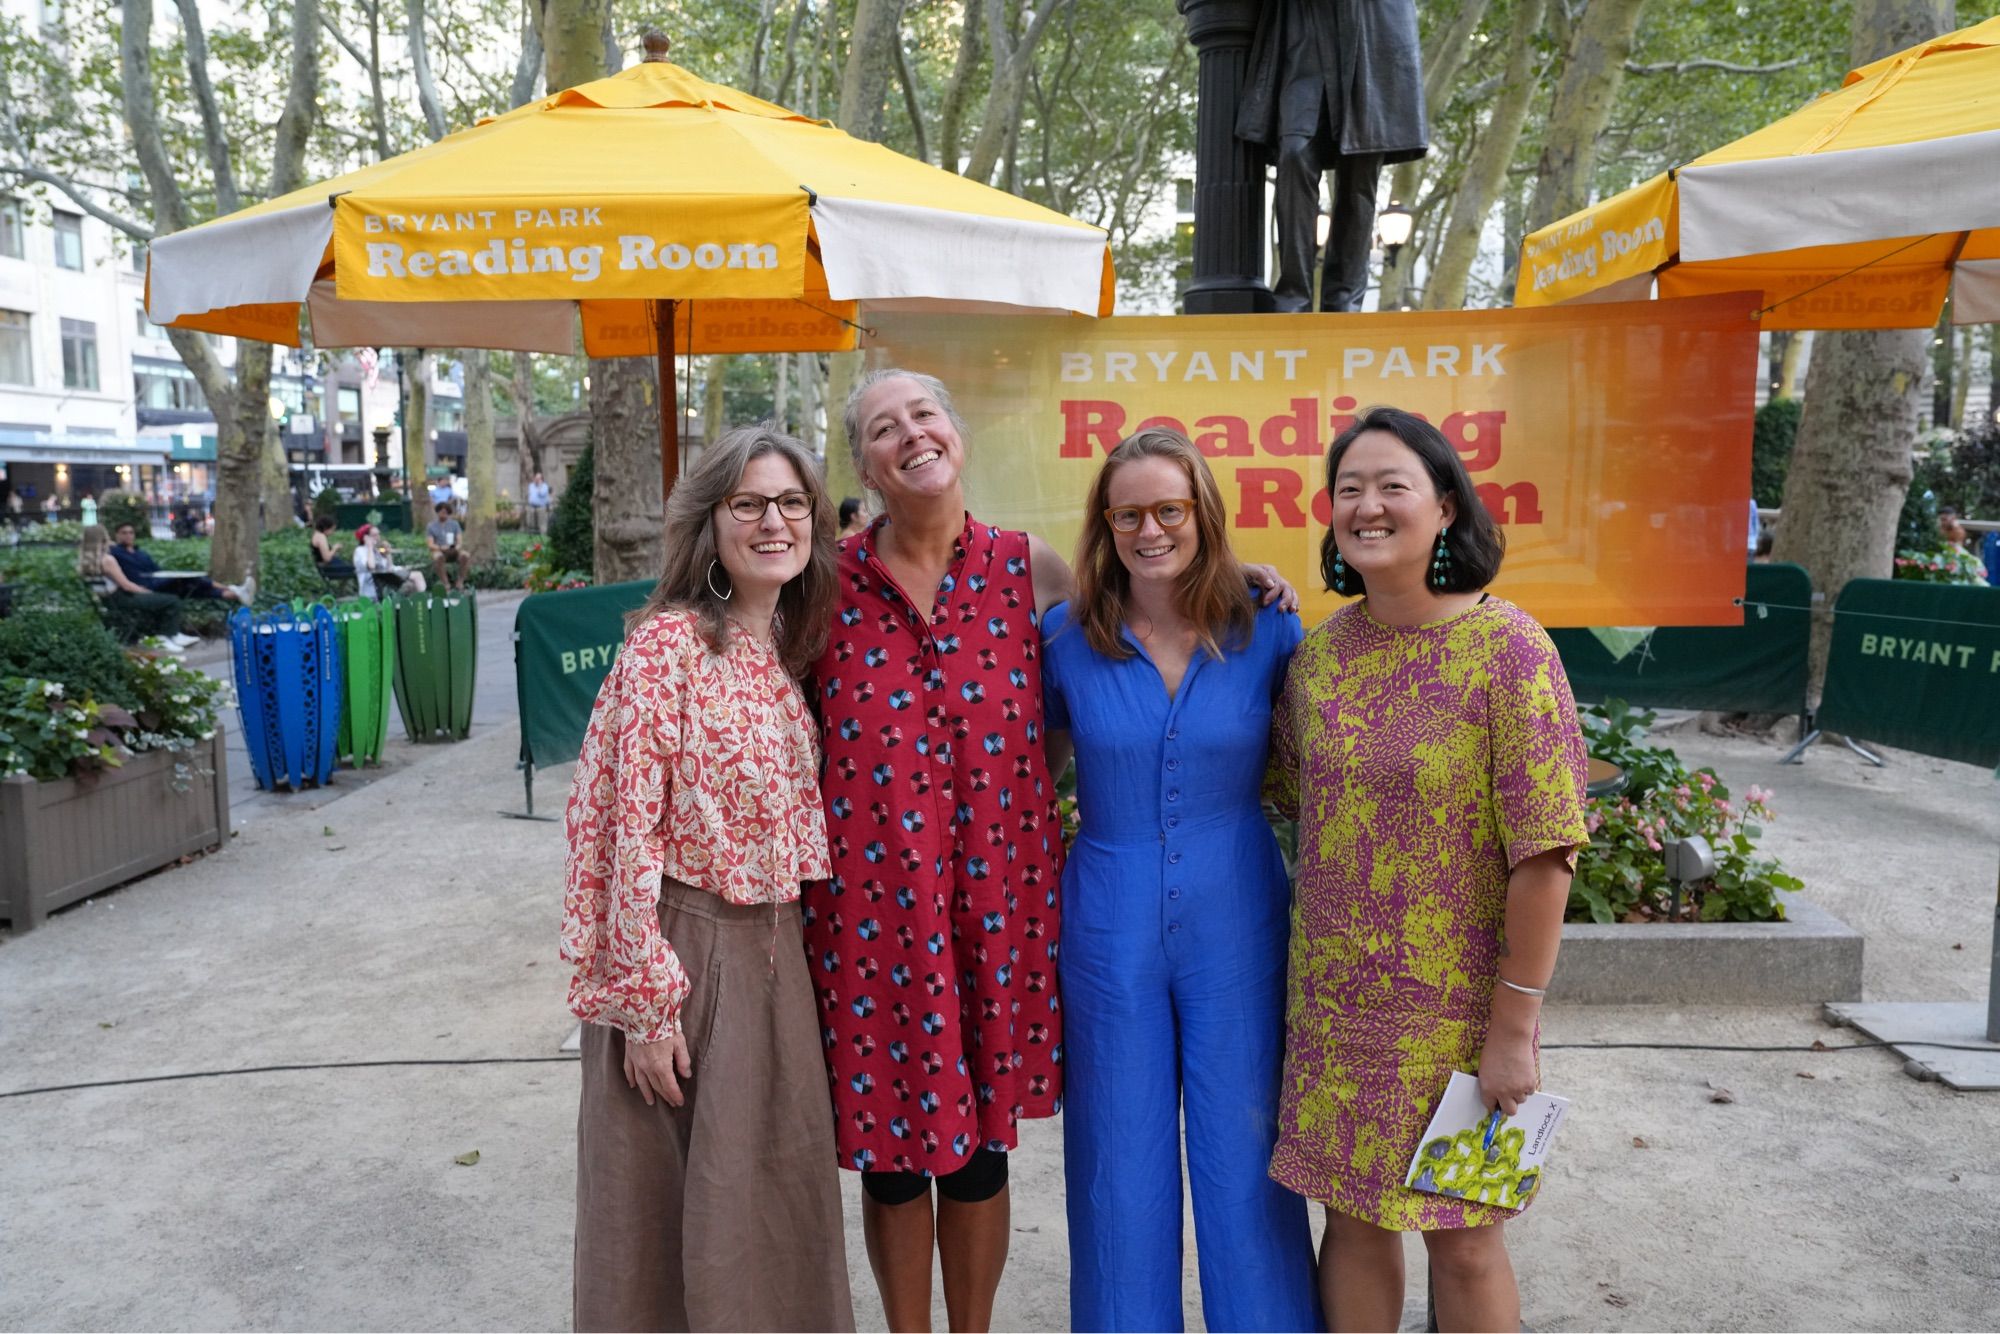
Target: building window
138 253
69 240
1183 196
144 327
350 404
16 365
10 228
161 385
79 344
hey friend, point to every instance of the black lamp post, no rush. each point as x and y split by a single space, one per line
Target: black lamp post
1228 176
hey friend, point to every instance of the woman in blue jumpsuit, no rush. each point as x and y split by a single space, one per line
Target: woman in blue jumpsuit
1175 910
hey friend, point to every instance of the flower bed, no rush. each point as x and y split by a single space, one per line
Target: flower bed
1622 875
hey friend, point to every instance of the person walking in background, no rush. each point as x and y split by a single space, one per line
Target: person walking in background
538 505
1175 909
706 1194
87 508
1427 742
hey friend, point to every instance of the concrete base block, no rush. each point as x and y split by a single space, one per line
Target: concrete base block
1911 1026
1811 956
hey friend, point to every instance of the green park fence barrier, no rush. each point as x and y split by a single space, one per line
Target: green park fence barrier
564 645
1917 666
436 661
1756 667
351 514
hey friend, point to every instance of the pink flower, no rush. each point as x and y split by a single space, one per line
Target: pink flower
1652 843
1593 822
1707 780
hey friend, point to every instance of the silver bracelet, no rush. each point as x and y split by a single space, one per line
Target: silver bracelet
1537 992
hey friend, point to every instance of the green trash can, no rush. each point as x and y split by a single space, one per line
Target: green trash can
437 652
368 657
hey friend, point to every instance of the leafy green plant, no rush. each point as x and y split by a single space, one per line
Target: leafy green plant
1622 876
49 732
121 507
71 648
174 705
1771 449
545 575
1941 564
572 527
326 502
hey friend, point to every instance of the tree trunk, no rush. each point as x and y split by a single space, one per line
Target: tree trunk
624 391
1591 74
417 432
870 58
1487 172
714 405
951 109
528 442
1851 466
482 542
1012 58
1443 59
1792 364
781 392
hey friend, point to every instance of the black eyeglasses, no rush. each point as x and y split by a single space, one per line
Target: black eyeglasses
1168 513
749 507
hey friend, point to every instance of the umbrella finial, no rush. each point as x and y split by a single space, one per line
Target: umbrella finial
657 45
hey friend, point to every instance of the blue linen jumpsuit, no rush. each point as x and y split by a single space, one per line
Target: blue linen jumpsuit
1176 914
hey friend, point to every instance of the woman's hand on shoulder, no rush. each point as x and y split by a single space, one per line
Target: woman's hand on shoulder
1273 587
658 1067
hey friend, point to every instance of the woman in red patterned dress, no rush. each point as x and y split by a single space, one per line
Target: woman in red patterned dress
932 947
704 1198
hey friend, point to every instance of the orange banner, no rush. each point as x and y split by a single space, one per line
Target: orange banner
1611 442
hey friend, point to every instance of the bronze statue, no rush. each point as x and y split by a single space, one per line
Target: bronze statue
1334 85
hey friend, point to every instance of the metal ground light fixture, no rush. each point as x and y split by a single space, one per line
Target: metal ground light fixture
1689 861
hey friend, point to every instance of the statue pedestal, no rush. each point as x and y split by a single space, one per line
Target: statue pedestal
1229 242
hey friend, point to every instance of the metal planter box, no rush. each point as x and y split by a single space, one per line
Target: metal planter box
66 840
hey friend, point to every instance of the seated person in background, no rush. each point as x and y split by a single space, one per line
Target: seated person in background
446 541
1951 529
150 613
441 493
326 551
375 568
144 571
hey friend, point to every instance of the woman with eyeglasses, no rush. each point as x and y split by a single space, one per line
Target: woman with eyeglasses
1163 671
706 1196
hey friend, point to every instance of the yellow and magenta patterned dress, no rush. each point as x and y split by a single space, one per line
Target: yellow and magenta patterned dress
1422 763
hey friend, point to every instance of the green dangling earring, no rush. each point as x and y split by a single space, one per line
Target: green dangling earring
1441 562
1339 573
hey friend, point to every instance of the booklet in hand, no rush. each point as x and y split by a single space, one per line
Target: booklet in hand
1469 1153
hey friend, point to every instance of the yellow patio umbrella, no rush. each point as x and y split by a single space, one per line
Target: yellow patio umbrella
1860 210
663 212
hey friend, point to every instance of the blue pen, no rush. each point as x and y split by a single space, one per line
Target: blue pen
1492 1124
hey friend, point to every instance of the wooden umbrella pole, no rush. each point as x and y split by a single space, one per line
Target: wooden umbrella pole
670 411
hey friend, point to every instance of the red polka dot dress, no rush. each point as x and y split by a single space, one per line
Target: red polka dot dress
933 946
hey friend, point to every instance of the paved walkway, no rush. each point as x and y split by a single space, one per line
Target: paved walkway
406 920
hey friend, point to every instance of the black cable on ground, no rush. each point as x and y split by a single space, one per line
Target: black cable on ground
562 1060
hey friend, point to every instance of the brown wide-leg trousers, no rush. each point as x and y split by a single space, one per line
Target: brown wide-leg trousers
723 1213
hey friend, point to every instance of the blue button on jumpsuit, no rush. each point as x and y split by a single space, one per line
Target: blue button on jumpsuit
1175 921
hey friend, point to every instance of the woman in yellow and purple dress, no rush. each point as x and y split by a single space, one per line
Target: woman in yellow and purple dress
1427 742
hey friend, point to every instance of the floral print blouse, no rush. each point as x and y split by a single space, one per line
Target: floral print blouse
697 766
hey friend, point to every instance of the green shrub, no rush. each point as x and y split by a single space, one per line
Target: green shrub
1771 449
65 532
49 732
1916 524
326 502
44 578
121 507
572 531
1622 875
72 648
